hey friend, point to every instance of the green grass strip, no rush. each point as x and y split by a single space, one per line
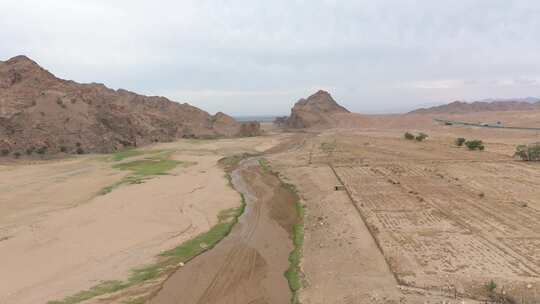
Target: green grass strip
293 273
169 260
265 165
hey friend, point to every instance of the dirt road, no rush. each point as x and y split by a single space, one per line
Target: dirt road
248 265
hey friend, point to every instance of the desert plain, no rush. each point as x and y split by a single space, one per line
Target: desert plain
385 219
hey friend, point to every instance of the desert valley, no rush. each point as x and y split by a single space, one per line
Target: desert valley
107 196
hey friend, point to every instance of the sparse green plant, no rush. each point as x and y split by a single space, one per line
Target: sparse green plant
17 154
293 273
4 152
80 150
475 144
408 136
265 165
63 149
491 286
460 141
421 137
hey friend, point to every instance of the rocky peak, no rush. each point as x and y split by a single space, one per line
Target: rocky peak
322 101
315 111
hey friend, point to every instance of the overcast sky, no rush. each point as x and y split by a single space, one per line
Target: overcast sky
258 57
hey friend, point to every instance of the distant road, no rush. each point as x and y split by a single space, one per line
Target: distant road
472 124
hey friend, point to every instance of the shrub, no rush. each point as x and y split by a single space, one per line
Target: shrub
408 136
475 145
63 149
460 141
528 152
421 137
30 150
4 152
80 150
17 154
42 150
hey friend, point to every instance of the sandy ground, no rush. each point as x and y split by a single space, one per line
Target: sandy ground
58 236
447 220
339 252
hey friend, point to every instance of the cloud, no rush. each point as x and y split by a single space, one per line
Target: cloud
246 57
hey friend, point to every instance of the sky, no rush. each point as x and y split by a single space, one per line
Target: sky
250 57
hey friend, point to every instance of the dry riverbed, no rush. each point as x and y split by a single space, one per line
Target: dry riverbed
67 226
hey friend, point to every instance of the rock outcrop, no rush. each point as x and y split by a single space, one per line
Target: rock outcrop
315 111
40 112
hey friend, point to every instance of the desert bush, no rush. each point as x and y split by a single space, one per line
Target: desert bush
475 144
17 154
408 136
421 137
63 149
30 150
528 152
80 150
4 152
42 150
460 141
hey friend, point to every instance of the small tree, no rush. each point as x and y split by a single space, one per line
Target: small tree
475 145
528 152
421 137
408 136
460 141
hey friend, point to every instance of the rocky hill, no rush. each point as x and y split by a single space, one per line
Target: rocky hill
315 111
459 107
42 113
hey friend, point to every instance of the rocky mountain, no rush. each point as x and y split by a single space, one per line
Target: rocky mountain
458 107
315 111
42 113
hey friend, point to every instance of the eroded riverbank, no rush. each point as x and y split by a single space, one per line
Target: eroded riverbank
248 266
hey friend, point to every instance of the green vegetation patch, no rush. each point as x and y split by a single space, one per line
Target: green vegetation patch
475 144
265 165
144 169
121 155
293 273
169 260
